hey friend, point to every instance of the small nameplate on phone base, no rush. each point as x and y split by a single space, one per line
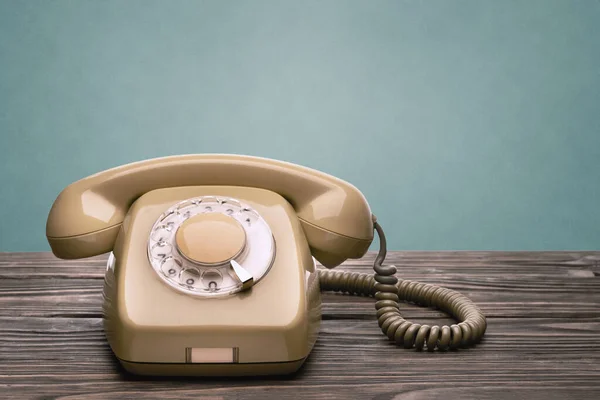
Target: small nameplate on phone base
212 355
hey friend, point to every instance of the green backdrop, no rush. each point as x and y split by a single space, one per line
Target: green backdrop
467 124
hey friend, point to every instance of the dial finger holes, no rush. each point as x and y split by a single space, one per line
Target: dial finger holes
185 209
209 204
230 204
161 250
171 267
187 204
190 277
162 233
171 221
212 279
249 216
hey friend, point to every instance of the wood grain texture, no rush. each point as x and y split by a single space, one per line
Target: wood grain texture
543 338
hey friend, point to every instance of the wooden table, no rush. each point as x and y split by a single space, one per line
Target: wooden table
543 338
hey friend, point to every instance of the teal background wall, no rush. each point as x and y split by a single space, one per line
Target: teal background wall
467 124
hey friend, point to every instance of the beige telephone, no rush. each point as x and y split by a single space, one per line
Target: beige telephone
211 270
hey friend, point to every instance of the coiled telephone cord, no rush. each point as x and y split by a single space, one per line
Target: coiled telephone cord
388 290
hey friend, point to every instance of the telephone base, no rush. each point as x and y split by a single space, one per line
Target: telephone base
185 369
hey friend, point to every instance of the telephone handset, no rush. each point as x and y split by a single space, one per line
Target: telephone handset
211 270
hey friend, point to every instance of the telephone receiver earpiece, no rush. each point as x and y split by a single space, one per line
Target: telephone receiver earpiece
86 217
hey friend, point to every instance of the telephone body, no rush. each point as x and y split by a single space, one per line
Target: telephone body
212 267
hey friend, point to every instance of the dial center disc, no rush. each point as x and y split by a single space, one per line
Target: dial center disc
211 238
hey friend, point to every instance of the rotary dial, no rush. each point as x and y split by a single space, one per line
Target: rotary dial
211 246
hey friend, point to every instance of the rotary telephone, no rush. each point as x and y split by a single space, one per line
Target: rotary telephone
212 264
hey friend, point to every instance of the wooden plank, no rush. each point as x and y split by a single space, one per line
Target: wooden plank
62 355
46 297
485 263
543 335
